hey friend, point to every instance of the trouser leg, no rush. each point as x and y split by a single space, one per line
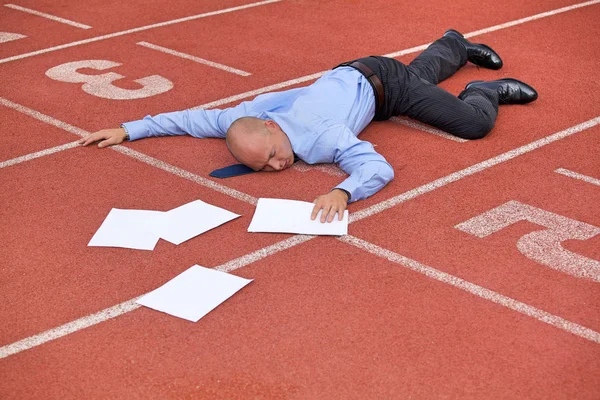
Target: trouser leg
440 60
470 116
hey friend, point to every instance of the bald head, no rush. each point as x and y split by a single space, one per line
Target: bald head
247 139
259 144
245 129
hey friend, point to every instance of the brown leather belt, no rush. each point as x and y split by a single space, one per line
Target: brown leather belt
375 82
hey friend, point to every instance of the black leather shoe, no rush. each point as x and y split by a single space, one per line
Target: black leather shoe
510 91
479 54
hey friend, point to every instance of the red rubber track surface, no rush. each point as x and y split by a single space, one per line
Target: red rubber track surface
322 319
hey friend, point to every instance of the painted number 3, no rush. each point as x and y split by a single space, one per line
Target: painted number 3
543 246
102 85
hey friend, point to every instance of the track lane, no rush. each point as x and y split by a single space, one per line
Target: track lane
53 206
242 381
426 230
318 328
110 18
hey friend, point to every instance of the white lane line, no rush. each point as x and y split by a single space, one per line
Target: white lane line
134 30
194 58
532 18
68 328
329 169
256 92
576 175
48 16
428 129
43 117
477 290
502 26
463 173
9 37
411 50
42 153
130 305
182 173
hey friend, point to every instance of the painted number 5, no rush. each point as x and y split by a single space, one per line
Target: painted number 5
543 246
101 85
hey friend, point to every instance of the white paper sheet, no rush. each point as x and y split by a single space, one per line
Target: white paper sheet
194 293
292 216
129 229
189 220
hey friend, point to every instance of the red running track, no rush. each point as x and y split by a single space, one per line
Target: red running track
322 319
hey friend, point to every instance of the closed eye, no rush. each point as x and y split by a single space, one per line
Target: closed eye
267 167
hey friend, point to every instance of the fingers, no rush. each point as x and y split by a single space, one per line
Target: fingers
329 208
315 210
339 210
109 141
90 139
109 137
325 215
321 203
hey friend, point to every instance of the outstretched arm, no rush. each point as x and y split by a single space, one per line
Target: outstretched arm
369 172
197 123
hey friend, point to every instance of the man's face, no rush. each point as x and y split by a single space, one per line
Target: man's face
279 154
268 151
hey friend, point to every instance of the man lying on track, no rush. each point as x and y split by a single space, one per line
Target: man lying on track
320 123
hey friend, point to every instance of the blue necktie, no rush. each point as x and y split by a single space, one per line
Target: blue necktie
236 170
232 170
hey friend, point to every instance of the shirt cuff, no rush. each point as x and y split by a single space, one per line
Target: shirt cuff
350 188
135 129
345 191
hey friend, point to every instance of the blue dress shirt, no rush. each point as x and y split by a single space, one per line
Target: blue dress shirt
322 122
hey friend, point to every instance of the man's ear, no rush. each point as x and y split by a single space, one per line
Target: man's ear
271 124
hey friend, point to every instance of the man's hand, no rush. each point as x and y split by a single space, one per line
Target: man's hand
331 203
109 137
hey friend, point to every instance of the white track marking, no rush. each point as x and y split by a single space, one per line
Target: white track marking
329 169
42 153
43 117
542 246
472 288
438 183
130 305
256 92
131 153
101 85
68 328
532 18
134 30
9 37
48 16
428 129
194 58
182 173
576 175
502 26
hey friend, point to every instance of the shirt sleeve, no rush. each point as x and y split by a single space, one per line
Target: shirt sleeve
369 171
197 123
